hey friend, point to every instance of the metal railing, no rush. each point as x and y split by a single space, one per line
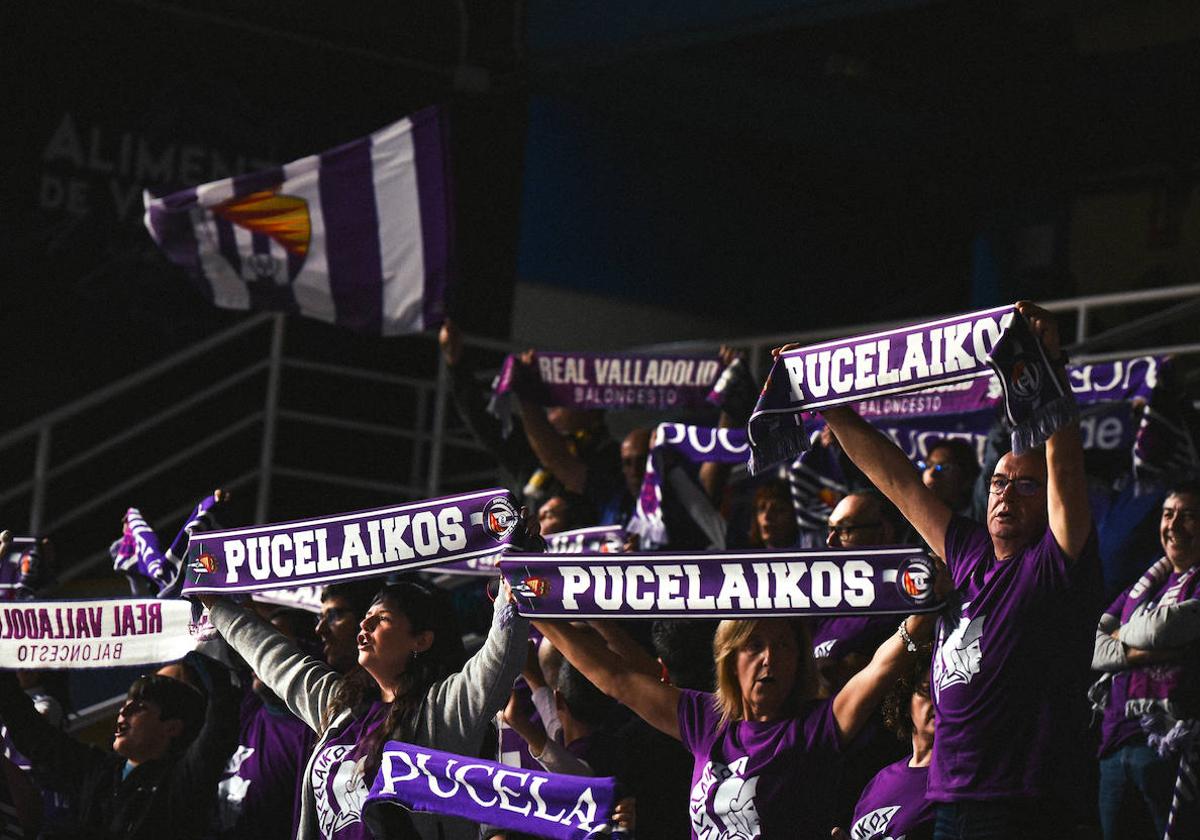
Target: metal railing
253 406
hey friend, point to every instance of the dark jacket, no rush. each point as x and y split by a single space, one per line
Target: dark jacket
172 797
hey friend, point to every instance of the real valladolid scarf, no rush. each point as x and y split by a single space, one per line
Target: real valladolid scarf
695 444
745 584
96 634
351 546
138 552
906 359
606 381
551 805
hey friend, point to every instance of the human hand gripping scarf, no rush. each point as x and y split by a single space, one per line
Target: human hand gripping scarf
897 361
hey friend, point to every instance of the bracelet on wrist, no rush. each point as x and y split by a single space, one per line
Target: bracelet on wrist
907 639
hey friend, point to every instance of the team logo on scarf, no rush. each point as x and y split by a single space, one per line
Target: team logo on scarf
500 518
204 563
915 579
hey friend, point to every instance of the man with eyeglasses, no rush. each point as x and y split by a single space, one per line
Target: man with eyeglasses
950 471
1014 642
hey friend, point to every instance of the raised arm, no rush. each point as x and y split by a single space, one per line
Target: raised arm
653 701
890 470
1066 484
305 684
467 701
853 705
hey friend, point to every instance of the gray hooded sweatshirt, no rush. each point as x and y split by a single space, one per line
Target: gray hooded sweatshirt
453 717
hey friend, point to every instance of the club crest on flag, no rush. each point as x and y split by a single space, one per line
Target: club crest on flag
284 219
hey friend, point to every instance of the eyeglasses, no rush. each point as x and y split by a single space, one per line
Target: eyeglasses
843 531
937 468
1023 486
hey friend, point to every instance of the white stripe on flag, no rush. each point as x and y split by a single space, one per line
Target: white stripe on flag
399 211
311 286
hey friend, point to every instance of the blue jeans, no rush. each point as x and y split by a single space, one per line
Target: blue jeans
1135 781
1005 819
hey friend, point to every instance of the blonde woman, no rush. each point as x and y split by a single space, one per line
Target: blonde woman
766 744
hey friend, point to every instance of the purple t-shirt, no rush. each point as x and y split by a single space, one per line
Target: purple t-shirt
839 635
1117 729
337 779
755 779
893 804
262 780
1012 652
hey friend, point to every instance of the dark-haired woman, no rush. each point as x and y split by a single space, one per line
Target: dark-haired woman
410 685
893 804
765 745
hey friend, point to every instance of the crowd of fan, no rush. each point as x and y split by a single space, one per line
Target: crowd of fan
970 723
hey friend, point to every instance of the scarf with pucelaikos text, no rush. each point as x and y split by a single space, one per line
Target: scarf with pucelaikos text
905 359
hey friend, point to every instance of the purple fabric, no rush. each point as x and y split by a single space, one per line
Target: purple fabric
695 444
866 367
264 776
1001 723
545 804
337 781
722 584
1136 691
1036 403
893 804
138 551
350 546
605 381
11 564
842 635
754 779
431 151
598 539
352 221
377 257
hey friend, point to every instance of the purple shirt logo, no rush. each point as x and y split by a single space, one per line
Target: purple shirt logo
959 655
339 788
874 824
722 803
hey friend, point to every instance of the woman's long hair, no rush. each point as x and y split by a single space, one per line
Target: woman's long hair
732 635
426 609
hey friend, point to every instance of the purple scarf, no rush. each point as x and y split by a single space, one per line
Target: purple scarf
1151 689
722 584
605 381
350 546
899 361
551 805
138 551
695 444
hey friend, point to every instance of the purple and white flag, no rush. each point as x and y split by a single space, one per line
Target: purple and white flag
695 444
866 367
745 584
609 381
551 805
360 236
350 546
96 634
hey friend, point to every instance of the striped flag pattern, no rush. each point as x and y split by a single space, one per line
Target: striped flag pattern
360 236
